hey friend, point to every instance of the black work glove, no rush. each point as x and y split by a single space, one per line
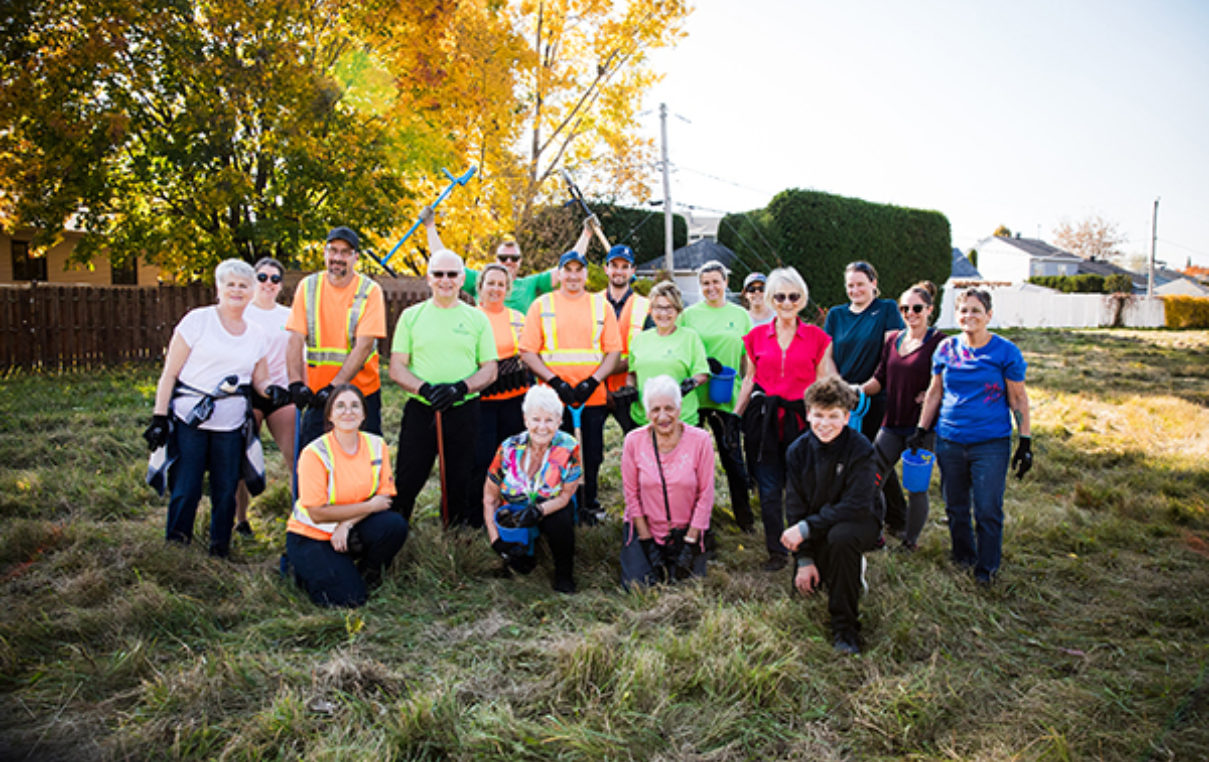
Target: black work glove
509 551
916 440
715 367
684 559
1022 460
625 395
319 401
565 392
430 393
687 386
530 516
584 390
277 396
452 394
654 555
156 432
301 394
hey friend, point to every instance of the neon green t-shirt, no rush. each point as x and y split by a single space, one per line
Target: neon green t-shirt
679 355
721 330
524 290
445 344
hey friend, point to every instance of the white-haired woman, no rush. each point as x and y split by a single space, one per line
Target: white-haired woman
722 326
667 472
201 404
784 358
534 476
270 316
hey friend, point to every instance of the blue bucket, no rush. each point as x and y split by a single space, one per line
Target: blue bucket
522 535
722 386
857 416
917 469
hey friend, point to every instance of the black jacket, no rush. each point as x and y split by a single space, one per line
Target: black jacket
826 484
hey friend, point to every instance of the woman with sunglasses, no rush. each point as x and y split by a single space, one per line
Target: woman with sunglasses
753 294
264 311
904 372
784 358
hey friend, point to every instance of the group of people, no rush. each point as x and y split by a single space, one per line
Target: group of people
512 396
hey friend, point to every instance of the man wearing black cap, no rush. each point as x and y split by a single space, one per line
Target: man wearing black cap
335 322
633 316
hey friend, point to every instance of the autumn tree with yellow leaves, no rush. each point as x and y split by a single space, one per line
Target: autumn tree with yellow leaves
187 131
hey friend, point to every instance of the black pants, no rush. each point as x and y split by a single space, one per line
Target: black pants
621 414
591 449
838 556
313 424
344 579
726 428
498 420
892 493
418 450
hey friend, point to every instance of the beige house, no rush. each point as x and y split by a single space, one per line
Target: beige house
19 264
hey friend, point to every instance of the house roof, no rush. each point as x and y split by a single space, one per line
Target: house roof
692 256
1100 267
962 267
1035 247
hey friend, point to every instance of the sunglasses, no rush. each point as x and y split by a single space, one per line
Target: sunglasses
755 290
793 298
508 257
262 277
451 274
916 308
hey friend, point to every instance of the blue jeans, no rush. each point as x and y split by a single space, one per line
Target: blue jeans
220 453
975 474
770 482
332 578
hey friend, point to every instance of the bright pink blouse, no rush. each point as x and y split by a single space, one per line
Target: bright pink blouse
786 374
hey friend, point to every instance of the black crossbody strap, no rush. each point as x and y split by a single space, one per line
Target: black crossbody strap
662 481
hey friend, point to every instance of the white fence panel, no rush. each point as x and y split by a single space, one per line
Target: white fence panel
1017 307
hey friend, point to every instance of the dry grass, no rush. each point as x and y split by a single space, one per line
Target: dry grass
1093 645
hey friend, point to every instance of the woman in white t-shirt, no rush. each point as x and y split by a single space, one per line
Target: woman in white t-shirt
264 311
201 404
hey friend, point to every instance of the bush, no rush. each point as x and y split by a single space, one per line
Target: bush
1087 283
1118 284
1186 311
819 233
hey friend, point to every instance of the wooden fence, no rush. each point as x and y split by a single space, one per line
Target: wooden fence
53 327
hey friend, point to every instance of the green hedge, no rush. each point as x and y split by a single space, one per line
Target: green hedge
820 233
554 229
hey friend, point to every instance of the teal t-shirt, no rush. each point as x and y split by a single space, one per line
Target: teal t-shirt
445 344
524 290
680 354
721 330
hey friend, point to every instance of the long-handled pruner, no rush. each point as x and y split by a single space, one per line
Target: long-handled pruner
441 465
578 198
453 182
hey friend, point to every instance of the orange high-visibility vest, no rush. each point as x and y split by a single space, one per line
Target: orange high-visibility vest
300 519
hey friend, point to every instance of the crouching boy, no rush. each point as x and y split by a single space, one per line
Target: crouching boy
831 506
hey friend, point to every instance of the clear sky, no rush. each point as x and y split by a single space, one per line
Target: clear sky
1021 113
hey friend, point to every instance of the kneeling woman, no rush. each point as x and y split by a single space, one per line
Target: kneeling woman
534 476
667 470
342 534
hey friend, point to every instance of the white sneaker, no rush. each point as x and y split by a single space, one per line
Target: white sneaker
864 568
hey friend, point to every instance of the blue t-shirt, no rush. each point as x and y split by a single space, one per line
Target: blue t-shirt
857 337
975 405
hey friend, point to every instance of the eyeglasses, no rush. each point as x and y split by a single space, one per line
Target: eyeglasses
793 298
508 257
262 277
916 308
663 308
450 274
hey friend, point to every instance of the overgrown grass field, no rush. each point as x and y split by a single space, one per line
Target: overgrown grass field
1093 644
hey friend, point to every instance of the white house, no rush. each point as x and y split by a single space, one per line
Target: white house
1015 260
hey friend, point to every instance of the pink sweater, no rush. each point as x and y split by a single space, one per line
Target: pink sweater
689 470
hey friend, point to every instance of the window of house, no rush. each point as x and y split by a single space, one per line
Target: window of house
125 273
26 267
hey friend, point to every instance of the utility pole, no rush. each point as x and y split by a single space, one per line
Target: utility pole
1154 237
667 196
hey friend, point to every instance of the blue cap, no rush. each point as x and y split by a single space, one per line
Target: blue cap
571 256
346 235
621 251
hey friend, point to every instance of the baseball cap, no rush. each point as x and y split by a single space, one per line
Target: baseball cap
571 256
344 234
753 278
621 251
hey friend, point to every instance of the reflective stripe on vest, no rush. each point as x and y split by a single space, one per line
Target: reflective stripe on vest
300 519
555 355
640 307
316 351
